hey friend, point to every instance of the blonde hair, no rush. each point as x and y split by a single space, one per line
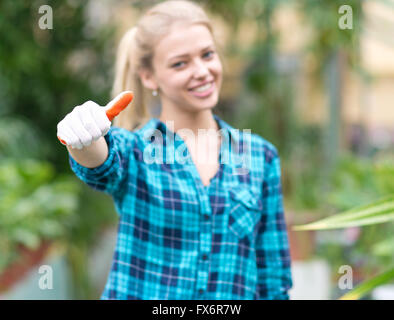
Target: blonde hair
136 50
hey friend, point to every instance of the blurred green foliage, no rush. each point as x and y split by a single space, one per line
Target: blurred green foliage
326 37
20 139
37 205
33 206
95 213
358 181
379 212
43 75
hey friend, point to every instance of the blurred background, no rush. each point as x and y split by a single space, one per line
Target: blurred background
323 95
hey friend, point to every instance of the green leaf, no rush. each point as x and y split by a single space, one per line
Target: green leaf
373 213
384 248
27 238
367 286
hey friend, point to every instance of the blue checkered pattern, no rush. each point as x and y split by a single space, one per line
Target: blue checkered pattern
178 239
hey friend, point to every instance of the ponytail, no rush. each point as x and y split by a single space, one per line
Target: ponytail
127 78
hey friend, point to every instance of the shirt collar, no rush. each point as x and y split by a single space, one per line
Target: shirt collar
229 131
229 154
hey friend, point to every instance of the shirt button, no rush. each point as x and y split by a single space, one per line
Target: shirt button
206 216
201 291
204 257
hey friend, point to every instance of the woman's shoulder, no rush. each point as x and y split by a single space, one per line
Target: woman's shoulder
259 146
260 149
266 147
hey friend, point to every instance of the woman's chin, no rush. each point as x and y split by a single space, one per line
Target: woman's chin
203 104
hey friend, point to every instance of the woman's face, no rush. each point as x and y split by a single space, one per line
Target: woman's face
187 68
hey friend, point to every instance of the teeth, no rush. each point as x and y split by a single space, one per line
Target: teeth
203 88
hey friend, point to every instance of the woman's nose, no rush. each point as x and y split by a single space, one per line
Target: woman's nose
200 69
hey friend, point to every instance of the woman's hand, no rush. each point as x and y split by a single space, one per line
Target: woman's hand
85 124
89 121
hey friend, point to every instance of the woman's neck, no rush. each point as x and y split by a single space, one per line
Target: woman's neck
192 121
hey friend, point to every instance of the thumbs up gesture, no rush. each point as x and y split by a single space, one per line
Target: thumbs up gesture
89 121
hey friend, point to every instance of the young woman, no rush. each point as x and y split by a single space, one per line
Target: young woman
192 229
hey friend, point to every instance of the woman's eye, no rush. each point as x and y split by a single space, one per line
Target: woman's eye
208 54
178 64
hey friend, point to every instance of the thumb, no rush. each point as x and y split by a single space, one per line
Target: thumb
120 102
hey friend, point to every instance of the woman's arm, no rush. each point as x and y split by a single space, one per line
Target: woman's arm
98 154
91 156
118 166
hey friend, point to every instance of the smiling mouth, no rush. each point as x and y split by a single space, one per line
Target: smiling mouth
202 88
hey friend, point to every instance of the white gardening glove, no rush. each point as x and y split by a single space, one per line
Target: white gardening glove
89 121
85 124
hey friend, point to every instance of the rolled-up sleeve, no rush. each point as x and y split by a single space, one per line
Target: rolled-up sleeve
272 247
109 176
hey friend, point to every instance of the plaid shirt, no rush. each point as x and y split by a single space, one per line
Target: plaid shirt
178 239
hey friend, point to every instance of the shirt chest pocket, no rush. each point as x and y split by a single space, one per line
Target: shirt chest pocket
244 213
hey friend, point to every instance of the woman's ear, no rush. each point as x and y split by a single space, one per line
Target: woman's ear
148 79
